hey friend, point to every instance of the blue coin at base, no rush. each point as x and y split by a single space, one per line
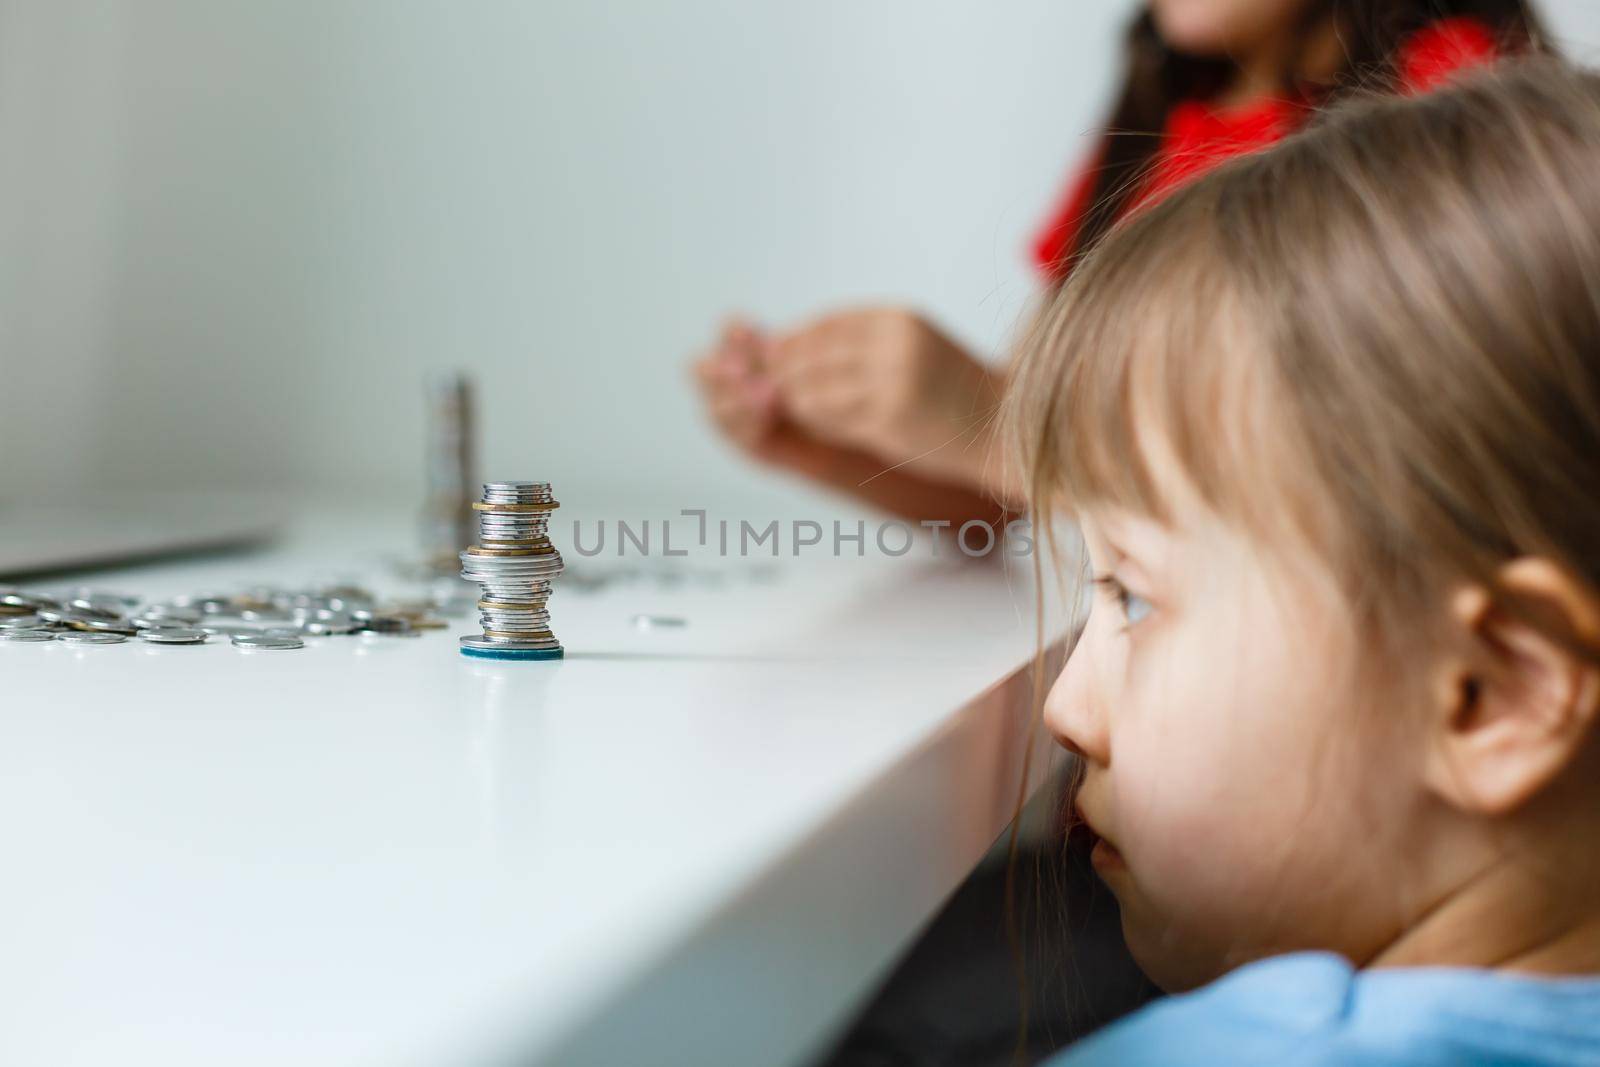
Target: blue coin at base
513 653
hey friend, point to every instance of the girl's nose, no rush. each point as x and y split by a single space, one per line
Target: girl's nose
1073 712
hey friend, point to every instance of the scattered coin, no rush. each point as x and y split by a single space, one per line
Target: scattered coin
326 629
263 616
175 635
167 615
98 606
263 642
55 613
659 622
27 635
89 637
96 624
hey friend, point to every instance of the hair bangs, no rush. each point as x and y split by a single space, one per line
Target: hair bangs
1138 387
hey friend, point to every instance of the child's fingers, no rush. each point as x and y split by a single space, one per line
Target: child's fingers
740 341
704 370
739 421
807 368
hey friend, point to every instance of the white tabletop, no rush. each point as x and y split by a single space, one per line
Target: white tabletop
698 845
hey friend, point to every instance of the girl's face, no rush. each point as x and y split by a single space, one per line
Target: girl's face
1223 27
1234 770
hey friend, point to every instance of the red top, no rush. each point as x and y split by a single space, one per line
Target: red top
1198 136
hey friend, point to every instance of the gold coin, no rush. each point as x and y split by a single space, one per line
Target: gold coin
520 635
528 553
478 505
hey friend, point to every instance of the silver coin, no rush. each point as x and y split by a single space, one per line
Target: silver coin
335 621
106 626
175 635
516 493
84 637
509 566
27 635
519 574
494 536
265 615
109 596
489 643
513 518
320 628
265 643
225 629
512 606
196 600
534 613
20 622
171 614
98 607
16 598
496 627
659 622
514 487
57 614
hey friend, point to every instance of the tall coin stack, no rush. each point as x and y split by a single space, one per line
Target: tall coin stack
447 518
513 563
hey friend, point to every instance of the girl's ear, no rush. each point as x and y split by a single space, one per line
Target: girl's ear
1521 705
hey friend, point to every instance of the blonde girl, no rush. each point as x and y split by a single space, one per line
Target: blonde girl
1328 419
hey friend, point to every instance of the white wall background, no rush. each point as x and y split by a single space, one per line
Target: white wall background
236 235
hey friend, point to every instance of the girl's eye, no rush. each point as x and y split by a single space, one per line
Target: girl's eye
1134 607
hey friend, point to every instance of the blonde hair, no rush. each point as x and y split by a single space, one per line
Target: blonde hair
1379 340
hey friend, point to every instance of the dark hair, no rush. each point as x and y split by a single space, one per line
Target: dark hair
1371 32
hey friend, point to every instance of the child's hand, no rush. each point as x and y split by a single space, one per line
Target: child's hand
740 397
887 382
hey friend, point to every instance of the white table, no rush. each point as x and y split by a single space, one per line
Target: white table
695 846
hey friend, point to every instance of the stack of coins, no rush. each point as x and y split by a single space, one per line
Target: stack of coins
514 564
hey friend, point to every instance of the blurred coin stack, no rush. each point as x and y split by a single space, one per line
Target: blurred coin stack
452 437
513 563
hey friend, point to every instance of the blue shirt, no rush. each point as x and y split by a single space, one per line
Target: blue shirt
1312 1009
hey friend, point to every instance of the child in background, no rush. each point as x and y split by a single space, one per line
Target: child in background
1328 419
881 404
